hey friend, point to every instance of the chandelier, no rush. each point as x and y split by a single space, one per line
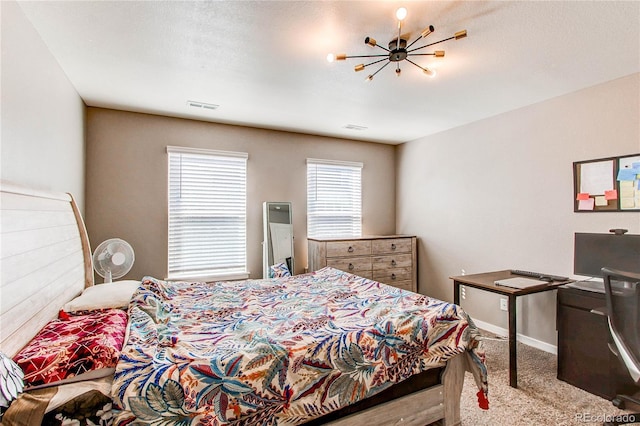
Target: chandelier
398 50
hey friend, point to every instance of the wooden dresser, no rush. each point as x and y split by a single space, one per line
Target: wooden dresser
389 259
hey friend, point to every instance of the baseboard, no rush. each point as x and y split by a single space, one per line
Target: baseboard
529 341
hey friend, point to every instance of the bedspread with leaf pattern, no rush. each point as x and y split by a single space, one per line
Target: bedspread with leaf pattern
278 351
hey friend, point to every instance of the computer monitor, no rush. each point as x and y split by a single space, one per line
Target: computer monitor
594 251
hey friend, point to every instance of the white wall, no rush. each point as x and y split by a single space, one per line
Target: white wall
42 139
498 194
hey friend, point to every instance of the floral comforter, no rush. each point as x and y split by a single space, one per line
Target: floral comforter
278 351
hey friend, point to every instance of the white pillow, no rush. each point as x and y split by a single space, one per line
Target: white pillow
103 296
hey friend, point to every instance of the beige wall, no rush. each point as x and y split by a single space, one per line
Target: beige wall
42 143
498 194
127 180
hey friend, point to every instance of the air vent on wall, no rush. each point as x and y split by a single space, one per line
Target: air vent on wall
203 105
354 127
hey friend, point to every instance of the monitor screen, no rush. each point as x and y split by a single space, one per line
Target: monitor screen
594 251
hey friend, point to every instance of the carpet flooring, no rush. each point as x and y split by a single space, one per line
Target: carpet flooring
540 399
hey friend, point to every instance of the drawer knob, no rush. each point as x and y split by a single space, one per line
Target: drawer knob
393 246
351 266
393 276
350 249
393 262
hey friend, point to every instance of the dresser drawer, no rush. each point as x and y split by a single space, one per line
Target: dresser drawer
348 248
353 265
389 276
405 285
392 261
391 245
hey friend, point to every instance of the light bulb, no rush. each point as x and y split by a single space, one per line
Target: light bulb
330 57
401 13
431 73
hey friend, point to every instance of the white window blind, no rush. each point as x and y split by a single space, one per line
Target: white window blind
207 213
334 198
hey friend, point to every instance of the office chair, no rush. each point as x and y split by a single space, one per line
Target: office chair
622 291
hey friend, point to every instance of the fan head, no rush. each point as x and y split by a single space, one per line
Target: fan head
113 258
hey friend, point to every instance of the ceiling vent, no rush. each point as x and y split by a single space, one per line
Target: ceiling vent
196 104
354 127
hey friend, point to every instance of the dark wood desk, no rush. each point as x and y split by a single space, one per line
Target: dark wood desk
584 357
486 282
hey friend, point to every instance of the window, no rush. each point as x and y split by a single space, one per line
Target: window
334 198
207 214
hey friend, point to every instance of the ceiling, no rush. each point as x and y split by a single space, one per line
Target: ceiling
264 62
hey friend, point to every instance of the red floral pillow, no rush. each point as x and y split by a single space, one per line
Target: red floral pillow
70 347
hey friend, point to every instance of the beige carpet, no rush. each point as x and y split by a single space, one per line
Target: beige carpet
540 399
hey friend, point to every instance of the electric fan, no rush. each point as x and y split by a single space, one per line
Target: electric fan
113 258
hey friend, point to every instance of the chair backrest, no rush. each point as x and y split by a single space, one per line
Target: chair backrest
622 291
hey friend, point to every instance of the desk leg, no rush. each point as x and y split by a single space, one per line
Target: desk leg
513 359
456 292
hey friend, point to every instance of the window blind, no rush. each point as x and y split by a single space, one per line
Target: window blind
207 213
334 198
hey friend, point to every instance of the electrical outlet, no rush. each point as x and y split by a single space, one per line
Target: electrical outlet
504 304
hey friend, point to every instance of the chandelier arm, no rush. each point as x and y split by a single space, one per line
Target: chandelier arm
366 56
379 69
411 62
414 41
421 54
431 44
376 62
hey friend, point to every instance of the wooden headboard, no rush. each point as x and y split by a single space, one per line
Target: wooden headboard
45 260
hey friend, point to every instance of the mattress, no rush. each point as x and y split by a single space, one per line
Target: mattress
278 351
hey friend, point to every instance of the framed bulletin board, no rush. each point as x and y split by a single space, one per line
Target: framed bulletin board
607 184
629 182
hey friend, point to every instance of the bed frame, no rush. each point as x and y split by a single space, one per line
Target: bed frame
45 261
439 403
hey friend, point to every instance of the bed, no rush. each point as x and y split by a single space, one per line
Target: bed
320 348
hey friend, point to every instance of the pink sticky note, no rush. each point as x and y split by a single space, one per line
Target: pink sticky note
611 195
586 204
582 196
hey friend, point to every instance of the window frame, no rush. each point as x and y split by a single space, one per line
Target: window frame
206 274
335 163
